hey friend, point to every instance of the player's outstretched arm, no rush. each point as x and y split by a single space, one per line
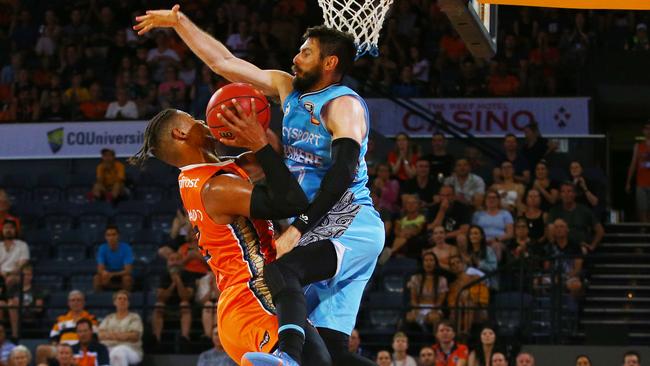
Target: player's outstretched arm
214 53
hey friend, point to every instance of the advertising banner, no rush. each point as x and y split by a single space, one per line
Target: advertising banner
485 117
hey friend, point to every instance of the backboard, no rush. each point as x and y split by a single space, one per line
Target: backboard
476 23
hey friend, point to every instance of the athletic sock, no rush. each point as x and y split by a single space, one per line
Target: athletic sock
291 340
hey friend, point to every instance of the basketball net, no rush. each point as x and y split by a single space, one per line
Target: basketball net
361 18
578 4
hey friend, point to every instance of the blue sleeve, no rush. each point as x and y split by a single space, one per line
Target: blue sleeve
101 255
475 217
128 254
507 217
490 263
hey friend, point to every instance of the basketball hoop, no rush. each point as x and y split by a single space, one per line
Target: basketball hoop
361 18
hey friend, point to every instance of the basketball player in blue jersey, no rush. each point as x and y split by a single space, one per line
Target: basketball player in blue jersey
325 134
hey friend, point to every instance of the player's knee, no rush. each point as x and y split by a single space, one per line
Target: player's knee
185 307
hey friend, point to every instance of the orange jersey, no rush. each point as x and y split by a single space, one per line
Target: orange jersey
236 253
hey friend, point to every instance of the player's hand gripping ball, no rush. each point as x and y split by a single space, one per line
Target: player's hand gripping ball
242 92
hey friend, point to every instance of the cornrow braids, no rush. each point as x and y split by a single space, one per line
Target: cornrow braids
151 137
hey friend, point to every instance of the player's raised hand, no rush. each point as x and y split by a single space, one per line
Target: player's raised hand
247 132
157 19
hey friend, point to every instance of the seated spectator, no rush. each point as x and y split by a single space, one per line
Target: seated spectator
519 162
511 192
522 246
64 356
502 83
14 253
161 56
408 229
403 157
216 355
499 359
176 288
95 107
536 147
110 177
525 359
441 162
114 263
238 42
193 262
585 229
89 352
387 188
5 208
122 332
20 356
482 355
354 345
178 234
569 257
400 347
447 351
171 91
33 300
422 185
535 217
464 305
441 249
55 110
63 330
583 360
76 93
639 168
428 291
384 358
495 222
6 346
545 186
584 188
453 215
543 64
427 357
406 86
631 358
482 256
469 187
207 295
122 107
386 216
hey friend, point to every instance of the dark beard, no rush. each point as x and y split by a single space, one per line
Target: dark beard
307 80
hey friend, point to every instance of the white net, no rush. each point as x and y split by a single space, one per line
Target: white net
361 18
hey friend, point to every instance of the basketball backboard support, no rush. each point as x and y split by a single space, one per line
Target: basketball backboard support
476 23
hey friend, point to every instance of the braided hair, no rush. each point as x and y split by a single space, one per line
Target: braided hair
153 136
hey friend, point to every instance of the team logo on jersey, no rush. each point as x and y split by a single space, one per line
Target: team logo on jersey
287 109
265 340
55 139
309 106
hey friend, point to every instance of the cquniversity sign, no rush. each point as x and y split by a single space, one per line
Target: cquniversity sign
70 140
485 117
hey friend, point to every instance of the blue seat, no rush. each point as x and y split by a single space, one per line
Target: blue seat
132 207
145 252
93 222
57 302
508 311
77 194
76 236
46 194
55 179
149 194
58 223
18 180
71 252
385 300
147 236
97 208
99 299
131 222
52 282
394 284
400 265
18 195
61 208
37 236
162 223
82 283
167 207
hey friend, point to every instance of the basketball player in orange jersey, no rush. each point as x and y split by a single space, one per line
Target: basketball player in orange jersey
228 214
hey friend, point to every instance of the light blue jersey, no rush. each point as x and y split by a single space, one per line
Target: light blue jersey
352 224
307 142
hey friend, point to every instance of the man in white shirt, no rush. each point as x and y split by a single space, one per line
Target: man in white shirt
238 42
122 108
14 253
469 187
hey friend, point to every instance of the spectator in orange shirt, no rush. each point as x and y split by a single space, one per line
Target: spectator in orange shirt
95 107
447 351
89 352
5 206
110 177
452 46
500 83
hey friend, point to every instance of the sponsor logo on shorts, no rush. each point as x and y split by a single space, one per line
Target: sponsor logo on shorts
265 340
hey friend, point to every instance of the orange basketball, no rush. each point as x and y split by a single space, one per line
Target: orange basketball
243 93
